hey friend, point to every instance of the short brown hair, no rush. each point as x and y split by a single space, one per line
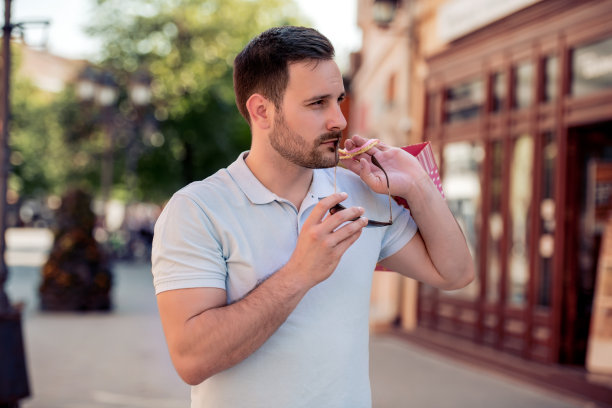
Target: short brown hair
263 65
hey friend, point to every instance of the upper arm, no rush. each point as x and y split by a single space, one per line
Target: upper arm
413 261
177 307
186 252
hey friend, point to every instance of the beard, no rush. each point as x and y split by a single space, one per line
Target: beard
292 146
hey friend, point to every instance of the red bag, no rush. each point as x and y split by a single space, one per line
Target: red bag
425 156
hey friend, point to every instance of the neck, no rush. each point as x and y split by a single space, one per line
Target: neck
283 178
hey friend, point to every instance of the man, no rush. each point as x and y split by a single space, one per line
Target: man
263 294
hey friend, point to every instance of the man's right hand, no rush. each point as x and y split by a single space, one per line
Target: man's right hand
324 239
205 335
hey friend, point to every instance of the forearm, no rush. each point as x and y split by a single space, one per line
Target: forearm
443 239
206 336
438 254
221 337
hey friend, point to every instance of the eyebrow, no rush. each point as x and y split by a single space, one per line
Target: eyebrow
326 96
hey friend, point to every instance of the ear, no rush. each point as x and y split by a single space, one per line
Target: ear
261 111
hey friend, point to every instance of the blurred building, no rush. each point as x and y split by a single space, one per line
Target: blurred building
48 72
381 81
516 98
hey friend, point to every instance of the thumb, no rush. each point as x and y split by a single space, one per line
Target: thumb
366 174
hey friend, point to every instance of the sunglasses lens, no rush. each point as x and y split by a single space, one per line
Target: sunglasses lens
340 207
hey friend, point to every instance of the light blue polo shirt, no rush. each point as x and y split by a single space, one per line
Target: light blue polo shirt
229 231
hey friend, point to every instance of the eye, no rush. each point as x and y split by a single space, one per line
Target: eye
319 102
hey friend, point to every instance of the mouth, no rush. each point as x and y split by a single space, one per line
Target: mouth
333 143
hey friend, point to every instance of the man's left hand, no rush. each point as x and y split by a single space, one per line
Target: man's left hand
402 168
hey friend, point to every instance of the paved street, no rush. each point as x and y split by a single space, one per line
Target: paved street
97 360
119 359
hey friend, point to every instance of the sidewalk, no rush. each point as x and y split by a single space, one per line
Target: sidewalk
406 375
98 360
119 359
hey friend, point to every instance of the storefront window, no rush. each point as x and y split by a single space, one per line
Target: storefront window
592 68
523 91
461 184
390 95
431 115
521 183
496 222
499 91
551 78
546 245
464 101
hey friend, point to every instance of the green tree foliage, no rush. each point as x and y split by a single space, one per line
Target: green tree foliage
55 143
187 47
42 161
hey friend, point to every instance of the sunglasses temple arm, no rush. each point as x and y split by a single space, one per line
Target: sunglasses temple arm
377 164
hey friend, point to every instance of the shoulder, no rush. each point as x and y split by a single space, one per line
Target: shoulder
209 191
200 199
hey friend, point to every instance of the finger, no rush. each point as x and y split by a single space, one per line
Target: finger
345 231
381 146
358 147
357 165
349 144
344 236
356 141
359 140
372 176
322 208
350 239
338 218
352 164
366 172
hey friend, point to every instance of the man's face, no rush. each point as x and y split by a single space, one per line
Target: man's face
307 128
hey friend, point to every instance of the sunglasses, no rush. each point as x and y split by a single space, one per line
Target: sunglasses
340 207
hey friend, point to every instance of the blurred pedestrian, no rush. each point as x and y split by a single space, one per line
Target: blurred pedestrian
263 293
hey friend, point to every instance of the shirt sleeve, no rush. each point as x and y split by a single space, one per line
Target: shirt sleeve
185 252
399 233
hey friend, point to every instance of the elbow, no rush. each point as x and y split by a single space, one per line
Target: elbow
190 377
191 380
190 372
463 277
467 277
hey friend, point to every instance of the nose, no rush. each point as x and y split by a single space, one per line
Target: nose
336 120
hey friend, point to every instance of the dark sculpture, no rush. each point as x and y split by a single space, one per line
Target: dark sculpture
77 275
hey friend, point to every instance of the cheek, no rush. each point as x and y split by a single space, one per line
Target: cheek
310 122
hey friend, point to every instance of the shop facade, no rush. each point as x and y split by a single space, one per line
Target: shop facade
519 112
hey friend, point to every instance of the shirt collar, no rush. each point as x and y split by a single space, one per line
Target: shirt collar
322 182
256 192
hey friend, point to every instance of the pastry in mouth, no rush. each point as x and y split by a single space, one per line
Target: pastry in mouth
349 154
